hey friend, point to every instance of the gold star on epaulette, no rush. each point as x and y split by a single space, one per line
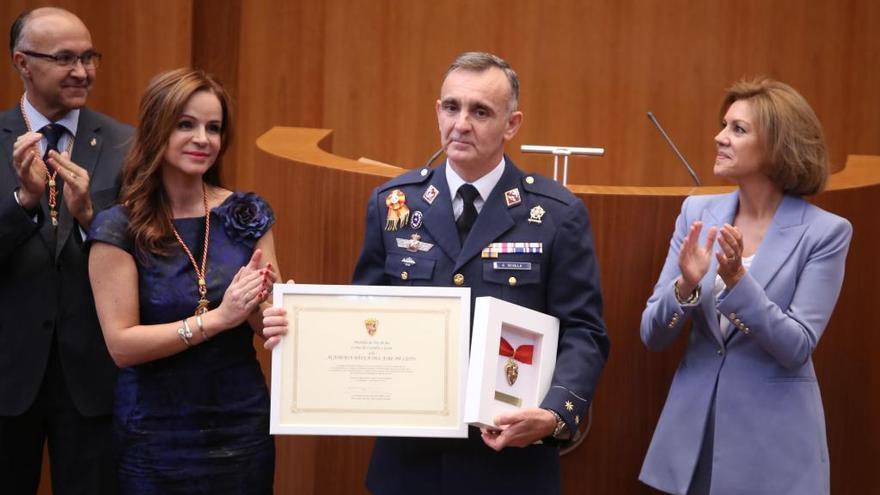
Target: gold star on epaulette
569 406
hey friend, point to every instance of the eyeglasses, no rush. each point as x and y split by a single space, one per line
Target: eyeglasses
90 60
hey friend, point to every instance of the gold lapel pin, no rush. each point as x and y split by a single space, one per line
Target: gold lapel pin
93 142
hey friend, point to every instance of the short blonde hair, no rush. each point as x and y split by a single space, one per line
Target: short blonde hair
797 158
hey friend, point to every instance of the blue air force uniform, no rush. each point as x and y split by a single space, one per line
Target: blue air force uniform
530 245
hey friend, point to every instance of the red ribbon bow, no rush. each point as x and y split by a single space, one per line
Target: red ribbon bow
522 353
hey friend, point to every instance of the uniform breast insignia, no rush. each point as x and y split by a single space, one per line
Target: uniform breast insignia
408 261
496 248
430 194
415 220
93 142
414 244
536 214
522 354
398 213
512 197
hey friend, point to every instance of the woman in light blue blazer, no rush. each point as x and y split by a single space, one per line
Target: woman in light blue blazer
757 272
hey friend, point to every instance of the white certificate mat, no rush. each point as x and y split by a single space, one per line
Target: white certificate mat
513 356
370 360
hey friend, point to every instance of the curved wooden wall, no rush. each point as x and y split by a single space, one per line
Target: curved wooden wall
137 40
320 198
590 70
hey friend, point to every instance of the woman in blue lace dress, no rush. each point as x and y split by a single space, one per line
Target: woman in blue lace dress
180 270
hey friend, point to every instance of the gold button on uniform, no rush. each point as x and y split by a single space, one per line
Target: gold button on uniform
530 180
458 279
404 275
424 172
511 281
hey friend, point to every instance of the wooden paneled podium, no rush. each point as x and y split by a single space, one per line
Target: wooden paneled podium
320 201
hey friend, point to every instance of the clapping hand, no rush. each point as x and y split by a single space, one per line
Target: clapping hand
249 288
76 187
729 257
693 259
30 169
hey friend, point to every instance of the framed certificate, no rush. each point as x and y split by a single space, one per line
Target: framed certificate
371 360
513 355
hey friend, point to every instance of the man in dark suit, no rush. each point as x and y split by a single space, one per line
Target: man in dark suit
59 164
456 226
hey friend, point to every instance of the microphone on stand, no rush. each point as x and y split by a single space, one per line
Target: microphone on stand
675 149
434 157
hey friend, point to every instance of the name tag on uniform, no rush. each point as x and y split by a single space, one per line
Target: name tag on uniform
511 265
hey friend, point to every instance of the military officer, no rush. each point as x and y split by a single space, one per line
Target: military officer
480 222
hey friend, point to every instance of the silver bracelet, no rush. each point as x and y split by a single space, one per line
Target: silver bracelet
185 333
201 327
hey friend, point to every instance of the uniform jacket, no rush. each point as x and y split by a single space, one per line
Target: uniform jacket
562 280
44 286
769 435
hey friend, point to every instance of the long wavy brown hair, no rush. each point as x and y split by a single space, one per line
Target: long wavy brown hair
142 193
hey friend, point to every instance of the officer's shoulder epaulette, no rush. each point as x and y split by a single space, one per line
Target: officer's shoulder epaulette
538 184
415 176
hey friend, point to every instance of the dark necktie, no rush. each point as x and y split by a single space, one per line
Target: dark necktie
468 215
52 133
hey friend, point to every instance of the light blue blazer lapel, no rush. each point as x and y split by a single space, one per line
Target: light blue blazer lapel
780 240
494 218
715 215
439 220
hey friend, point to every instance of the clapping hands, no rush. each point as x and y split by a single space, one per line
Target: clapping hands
249 288
76 187
694 259
30 169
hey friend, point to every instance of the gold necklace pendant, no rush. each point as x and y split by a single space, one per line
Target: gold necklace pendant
50 176
201 273
202 308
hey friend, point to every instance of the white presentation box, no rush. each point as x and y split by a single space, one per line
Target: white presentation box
513 355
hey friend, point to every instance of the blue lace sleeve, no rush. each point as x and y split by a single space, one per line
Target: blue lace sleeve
111 226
